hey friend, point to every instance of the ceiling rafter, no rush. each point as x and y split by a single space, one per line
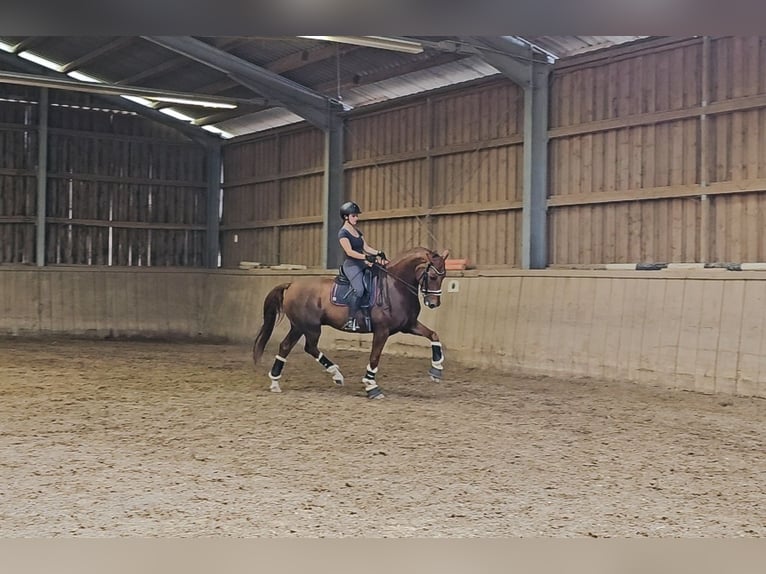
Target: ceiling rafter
222 116
289 71
174 63
102 50
307 57
287 63
28 43
192 132
309 104
66 83
356 80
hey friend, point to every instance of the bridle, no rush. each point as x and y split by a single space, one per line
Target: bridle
422 282
425 277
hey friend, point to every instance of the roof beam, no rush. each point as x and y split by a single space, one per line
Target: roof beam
312 106
288 63
28 43
222 116
355 80
196 134
509 55
170 64
65 83
509 58
303 58
153 71
115 44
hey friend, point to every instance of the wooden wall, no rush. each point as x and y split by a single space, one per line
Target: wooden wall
121 190
442 170
654 154
272 202
18 181
98 302
701 330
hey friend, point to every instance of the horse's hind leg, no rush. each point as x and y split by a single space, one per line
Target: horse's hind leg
312 348
285 347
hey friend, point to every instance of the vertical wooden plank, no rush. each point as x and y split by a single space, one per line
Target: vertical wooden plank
671 313
686 354
649 349
598 336
730 329
623 159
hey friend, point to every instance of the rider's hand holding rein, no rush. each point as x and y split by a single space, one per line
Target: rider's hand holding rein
382 259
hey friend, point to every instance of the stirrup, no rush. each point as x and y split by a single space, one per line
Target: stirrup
351 326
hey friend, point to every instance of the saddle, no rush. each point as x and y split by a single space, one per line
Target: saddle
342 286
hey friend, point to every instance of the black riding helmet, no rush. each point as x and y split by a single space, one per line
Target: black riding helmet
348 208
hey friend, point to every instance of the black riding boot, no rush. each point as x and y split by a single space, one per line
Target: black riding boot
353 308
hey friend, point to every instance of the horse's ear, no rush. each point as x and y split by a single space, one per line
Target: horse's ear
444 254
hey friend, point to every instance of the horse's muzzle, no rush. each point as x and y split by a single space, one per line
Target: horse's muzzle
431 303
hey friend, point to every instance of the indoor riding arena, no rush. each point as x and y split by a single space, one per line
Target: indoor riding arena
601 311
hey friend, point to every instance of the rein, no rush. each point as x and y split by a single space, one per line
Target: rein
422 282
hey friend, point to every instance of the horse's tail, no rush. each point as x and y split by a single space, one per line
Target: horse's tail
272 310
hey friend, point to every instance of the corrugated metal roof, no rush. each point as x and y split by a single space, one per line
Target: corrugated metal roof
457 72
358 75
416 82
564 46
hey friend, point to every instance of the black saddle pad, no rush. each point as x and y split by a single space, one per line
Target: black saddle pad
341 287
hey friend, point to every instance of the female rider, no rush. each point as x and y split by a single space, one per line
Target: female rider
359 256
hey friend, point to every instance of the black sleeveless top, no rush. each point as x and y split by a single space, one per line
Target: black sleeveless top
357 243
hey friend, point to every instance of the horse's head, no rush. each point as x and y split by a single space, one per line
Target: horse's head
431 277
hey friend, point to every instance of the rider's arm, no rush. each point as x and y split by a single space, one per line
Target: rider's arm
372 251
350 253
368 249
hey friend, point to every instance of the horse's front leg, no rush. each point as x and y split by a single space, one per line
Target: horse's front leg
372 389
437 354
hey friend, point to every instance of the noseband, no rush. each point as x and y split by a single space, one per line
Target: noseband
422 281
424 278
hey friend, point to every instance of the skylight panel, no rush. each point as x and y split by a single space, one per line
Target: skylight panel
40 60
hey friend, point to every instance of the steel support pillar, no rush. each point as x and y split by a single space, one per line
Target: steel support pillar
534 226
213 192
531 71
332 196
42 174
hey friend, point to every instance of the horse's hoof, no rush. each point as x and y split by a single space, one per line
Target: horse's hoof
338 382
375 393
275 390
436 374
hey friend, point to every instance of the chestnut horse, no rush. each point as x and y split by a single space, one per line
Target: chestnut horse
395 308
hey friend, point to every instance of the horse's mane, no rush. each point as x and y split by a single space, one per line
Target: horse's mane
414 254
